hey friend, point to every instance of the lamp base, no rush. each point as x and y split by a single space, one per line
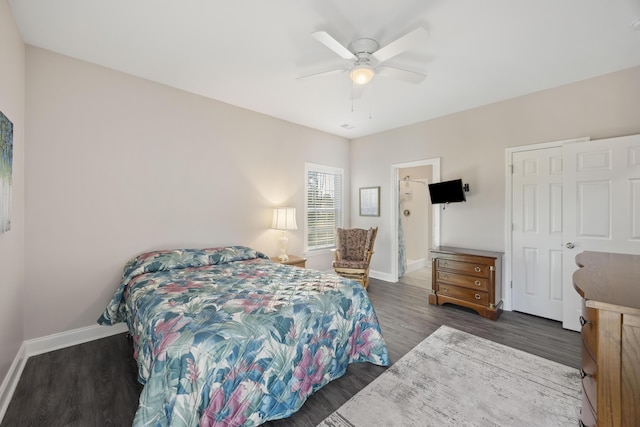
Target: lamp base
283 257
283 242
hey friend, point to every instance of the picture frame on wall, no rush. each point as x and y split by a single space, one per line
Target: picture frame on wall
6 160
370 201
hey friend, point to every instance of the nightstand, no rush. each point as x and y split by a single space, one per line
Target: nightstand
293 260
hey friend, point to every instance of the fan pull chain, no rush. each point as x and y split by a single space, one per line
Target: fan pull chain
352 86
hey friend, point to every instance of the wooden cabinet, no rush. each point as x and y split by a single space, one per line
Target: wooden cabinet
610 287
293 260
467 277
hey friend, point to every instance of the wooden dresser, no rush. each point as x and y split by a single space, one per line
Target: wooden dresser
467 277
610 286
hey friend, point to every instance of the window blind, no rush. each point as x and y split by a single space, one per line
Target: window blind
324 206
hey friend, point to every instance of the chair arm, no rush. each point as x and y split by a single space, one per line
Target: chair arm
336 254
369 254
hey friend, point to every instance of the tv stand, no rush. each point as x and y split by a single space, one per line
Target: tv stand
468 277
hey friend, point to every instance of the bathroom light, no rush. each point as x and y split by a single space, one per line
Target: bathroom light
361 74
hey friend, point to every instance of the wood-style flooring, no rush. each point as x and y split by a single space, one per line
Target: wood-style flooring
420 278
94 384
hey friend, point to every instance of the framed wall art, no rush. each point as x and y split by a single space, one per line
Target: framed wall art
6 160
370 201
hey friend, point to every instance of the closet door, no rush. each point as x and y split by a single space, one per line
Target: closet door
601 206
537 232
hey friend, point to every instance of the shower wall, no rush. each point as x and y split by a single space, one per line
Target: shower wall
416 219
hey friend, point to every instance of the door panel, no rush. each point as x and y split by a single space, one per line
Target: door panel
537 232
601 206
593 209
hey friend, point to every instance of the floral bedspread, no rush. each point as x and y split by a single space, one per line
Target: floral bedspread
225 336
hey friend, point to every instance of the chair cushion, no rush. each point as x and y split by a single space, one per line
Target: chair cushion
353 243
350 264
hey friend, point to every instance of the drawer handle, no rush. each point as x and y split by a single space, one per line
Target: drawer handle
446 276
584 321
477 296
445 263
478 283
477 269
584 374
445 289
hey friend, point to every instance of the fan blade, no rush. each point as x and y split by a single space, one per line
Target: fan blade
324 38
323 73
409 40
400 74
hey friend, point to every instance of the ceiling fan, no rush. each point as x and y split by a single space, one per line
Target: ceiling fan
367 58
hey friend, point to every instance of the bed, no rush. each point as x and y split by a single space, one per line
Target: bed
224 336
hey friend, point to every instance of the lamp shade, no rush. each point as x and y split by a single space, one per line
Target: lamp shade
284 219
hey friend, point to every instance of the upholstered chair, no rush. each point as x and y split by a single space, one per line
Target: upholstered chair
354 247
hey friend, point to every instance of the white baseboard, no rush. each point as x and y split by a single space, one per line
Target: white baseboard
381 276
45 344
68 338
416 265
10 381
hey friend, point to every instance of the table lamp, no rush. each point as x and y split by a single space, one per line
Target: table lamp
284 219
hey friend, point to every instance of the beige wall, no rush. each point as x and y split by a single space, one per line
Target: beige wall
12 66
472 144
118 165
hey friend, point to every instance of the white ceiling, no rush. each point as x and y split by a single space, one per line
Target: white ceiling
249 52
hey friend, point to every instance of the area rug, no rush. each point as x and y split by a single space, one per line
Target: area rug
454 378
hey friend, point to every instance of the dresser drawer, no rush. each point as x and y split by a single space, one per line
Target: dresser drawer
462 280
481 298
473 269
589 381
589 330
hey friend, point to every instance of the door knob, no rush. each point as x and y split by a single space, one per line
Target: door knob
570 245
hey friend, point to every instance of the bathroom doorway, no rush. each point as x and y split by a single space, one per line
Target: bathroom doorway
417 223
414 216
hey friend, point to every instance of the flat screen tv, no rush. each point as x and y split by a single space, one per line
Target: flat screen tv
447 192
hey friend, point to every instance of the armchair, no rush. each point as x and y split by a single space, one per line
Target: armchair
354 248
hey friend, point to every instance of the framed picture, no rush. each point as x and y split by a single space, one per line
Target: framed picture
370 201
6 160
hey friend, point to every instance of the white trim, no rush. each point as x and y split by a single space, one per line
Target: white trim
69 338
508 214
46 344
381 276
393 226
417 265
10 382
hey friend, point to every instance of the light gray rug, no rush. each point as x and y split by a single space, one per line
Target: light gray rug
454 378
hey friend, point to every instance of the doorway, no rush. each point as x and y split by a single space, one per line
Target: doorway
415 216
411 194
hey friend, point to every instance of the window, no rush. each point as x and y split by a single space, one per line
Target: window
324 206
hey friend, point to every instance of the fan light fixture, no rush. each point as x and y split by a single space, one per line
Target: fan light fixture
361 74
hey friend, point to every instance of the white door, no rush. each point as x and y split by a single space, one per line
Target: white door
601 206
537 232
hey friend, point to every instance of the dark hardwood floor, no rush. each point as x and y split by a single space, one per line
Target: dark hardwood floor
94 384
